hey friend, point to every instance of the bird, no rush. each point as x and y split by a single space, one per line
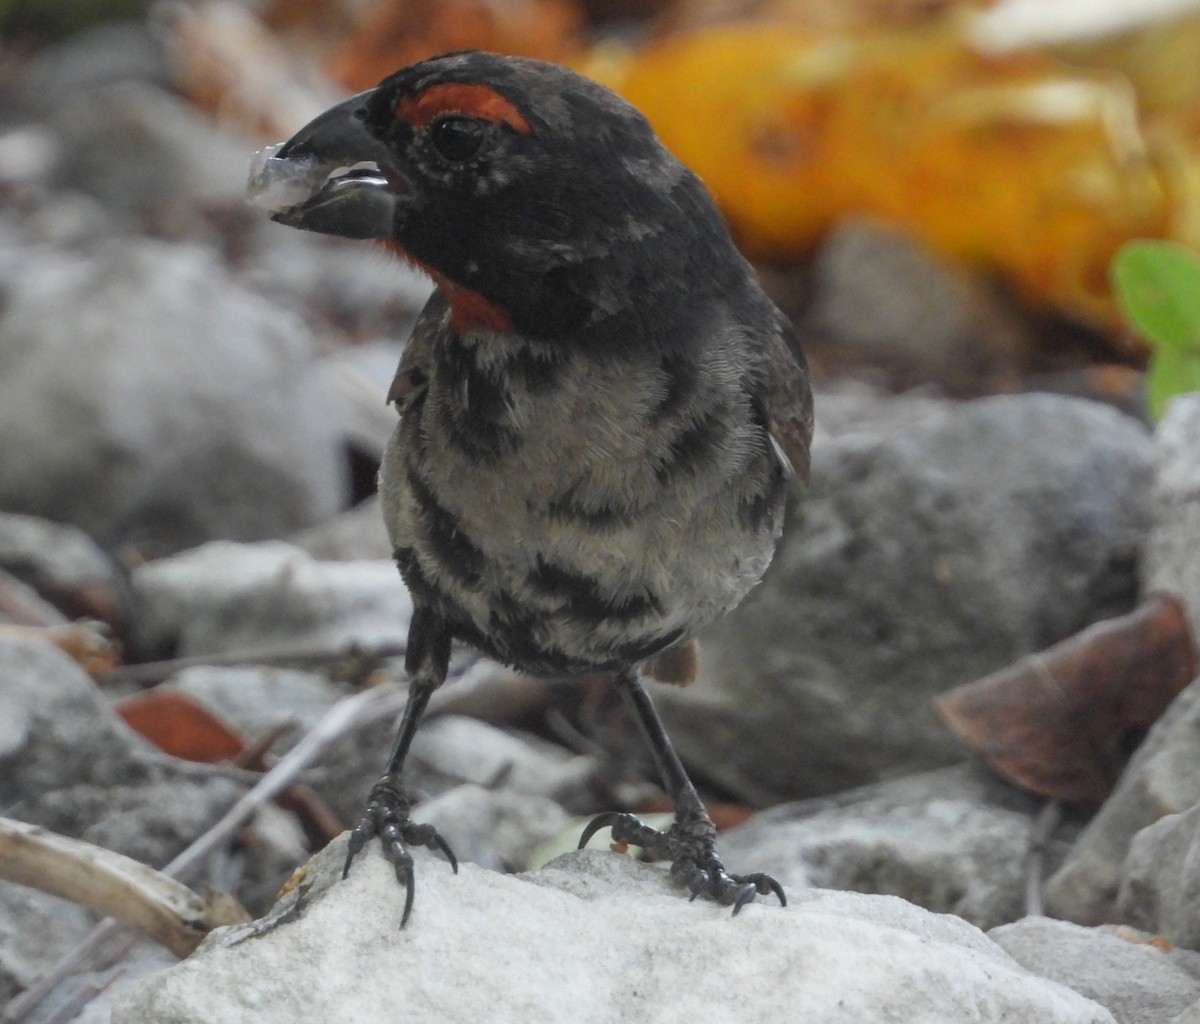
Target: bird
601 411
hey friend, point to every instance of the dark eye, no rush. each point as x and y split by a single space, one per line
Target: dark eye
457 138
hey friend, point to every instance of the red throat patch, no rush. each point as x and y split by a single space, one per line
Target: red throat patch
460 98
469 311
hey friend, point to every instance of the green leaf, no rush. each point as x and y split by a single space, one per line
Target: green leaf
1171 372
1158 286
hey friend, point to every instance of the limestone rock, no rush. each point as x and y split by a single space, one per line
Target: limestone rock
591 937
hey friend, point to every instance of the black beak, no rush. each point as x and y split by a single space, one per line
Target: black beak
332 176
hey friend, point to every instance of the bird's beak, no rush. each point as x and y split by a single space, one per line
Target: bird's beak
332 176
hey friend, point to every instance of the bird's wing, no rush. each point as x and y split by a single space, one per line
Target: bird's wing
789 403
412 375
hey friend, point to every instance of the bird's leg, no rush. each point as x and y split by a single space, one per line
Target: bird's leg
689 843
388 805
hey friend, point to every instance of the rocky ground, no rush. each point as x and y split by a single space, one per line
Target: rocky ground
191 402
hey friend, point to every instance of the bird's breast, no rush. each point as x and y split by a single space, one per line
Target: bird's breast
568 510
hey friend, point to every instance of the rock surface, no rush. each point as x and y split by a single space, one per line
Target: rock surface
1171 563
952 841
68 763
882 298
1138 982
191 413
358 534
495 829
1160 885
61 562
35 930
1162 778
230 597
923 555
541 947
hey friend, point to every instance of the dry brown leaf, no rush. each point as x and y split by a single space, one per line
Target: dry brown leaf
1057 722
181 726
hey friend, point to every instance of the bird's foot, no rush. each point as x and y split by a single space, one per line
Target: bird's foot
386 816
689 845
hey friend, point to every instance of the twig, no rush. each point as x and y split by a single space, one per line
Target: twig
1035 857
111 883
346 715
279 654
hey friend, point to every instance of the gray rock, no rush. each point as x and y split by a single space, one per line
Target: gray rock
35 930
23 605
1162 778
920 557
149 156
63 564
1160 886
1137 982
88 998
496 829
951 841
27 156
1171 562
541 946
44 221
51 556
55 729
472 751
1189 1016
451 750
880 297
237 597
193 412
1102 879
357 534
68 763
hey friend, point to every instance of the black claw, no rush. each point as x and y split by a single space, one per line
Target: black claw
445 848
410 890
386 818
358 839
747 895
688 845
764 884
605 820
777 889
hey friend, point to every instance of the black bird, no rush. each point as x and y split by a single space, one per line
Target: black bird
600 409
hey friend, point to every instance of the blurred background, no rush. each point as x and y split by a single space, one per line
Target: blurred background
934 189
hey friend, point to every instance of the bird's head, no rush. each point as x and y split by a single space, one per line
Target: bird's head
537 199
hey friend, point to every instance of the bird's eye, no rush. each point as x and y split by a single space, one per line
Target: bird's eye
457 138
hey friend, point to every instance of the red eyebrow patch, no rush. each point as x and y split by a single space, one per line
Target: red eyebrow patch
460 98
